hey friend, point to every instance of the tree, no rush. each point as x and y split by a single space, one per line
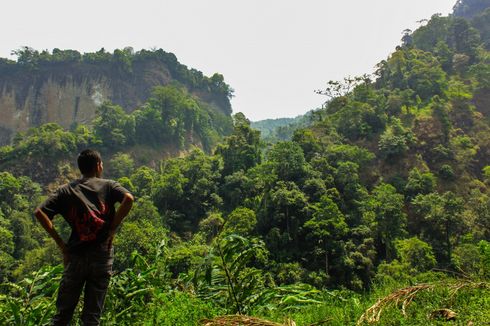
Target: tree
419 183
441 222
390 218
288 161
481 23
359 120
6 252
168 188
112 126
470 8
464 38
308 142
283 218
121 165
27 56
325 229
241 150
143 178
414 257
416 253
9 187
241 221
435 32
413 69
395 140
479 206
142 237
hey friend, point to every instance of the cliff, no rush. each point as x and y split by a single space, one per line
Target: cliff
44 87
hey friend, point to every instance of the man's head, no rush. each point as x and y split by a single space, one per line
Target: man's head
90 163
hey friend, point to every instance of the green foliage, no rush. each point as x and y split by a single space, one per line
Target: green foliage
172 115
38 151
179 308
288 161
141 237
31 302
395 140
359 120
390 218
241 150
121 165
387 181
241 221
469 8
473 259
324 230
481 23
416 254
284 129
113 126
413 69
229 276
419 183
6 252
441 222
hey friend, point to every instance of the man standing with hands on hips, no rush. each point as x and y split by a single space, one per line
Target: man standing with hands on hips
88 205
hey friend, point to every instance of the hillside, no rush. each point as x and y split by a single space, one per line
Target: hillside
66 87
274 130
376 212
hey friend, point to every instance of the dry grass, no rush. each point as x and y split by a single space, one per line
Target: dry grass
467 284
240 320
406 295
403 296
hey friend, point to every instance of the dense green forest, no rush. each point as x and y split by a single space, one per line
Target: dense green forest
282 129
379 211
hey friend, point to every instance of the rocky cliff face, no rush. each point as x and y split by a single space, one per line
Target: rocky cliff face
69 93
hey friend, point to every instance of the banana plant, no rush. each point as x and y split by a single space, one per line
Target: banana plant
228 275
32 300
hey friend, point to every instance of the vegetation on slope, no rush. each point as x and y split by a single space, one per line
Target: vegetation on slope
282 129
386 198
122 62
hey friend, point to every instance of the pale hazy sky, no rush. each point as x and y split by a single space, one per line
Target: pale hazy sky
274 53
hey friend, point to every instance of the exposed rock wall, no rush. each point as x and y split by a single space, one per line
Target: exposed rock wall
68 93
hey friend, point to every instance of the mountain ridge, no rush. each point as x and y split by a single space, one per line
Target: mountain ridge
66 87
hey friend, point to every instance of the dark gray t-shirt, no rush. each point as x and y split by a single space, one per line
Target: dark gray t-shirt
88 206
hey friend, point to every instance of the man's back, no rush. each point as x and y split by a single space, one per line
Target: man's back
88 205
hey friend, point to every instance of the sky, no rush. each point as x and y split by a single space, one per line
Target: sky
273 53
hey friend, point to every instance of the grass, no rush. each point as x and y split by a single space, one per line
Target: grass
386 304
409 305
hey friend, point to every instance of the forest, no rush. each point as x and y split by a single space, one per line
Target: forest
375 211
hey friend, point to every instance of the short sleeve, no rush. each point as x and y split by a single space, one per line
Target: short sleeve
118 191
53 205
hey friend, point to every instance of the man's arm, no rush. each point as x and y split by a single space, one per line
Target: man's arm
47 224
121 213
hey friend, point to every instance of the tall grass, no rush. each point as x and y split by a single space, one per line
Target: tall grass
140 296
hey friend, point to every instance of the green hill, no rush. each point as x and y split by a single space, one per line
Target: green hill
379 211
66 87
274 130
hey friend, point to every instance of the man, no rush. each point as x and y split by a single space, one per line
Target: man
88 205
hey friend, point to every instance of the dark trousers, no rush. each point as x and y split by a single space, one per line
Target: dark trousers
92 271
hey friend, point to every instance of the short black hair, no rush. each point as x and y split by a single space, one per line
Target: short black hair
87 161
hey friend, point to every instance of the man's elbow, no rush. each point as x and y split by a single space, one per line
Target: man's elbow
129 198
38 213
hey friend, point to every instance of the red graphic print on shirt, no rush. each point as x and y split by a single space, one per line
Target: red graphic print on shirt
89 222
